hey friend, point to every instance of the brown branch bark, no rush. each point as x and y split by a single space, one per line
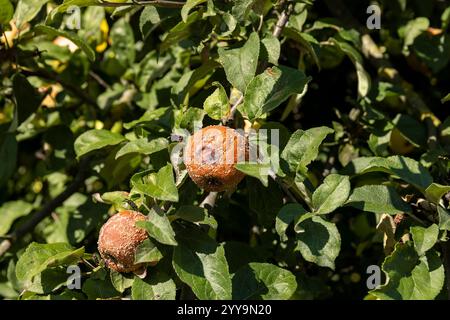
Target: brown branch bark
47 210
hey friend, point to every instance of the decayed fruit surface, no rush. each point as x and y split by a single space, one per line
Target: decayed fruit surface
210 156
119 239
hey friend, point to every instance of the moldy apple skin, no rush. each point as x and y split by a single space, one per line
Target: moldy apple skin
119 239
210 156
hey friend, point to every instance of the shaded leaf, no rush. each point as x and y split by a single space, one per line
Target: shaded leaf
200 262
424 238
320 242
411 277
303 148
10 211
263 281
268 90
158 227
160 185
331 194
158 287
38 257
216 105
378 199
240 64
286 216
96 139
143 146
69 35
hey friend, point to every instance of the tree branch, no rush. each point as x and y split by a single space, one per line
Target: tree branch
47 210
156 3
210 200
78 92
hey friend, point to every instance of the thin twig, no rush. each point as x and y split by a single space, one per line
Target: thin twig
100 81
210 200
233 110
76 91
282 20
47 210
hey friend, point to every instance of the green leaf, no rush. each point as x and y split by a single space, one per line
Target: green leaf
143 146
148 117
303 147
160 185
216 105
264 281
412 30
116 198
444 218
436 191
10 211
38 257
424 238
69 35
200 263
26 10
193 81
364 81
320 242
271 49
158 227
378 199
120 281
181 31
242 8
147 251
99 287
121 54
259 171
405 168
152 67
411 277
7 11
286 216
411 129
94 140
240 64
188 6
27 97
446 98
157 287
307 41
331 194
268 90
8 156
48 281
196 215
